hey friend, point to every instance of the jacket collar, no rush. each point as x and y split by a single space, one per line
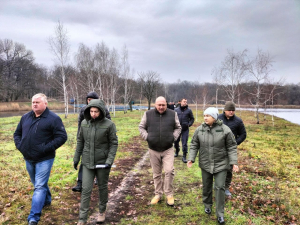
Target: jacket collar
44 114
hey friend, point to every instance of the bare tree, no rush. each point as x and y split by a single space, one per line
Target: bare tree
216 76
101 59
259 69
232 72
60 47
149 82
85 64
127 78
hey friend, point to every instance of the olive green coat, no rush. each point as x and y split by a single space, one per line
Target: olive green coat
216 145
97 141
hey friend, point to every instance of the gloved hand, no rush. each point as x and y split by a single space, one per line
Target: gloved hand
75 165
107 166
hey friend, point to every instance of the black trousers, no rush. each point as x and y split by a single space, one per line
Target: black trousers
80 174
184 139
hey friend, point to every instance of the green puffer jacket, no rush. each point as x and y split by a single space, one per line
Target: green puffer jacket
97 141
216 145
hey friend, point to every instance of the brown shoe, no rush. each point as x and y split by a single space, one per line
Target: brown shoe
101 218
155 200
170 200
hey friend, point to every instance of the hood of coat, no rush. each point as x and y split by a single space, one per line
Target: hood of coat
95 103
92 95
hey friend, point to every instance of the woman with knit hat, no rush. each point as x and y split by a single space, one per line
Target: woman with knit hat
217 152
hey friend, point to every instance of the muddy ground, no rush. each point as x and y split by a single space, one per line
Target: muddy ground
126 183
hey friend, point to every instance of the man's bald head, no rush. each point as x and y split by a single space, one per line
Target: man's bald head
161 104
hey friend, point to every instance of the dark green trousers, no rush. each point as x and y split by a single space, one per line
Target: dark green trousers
87 187
207 180
228 178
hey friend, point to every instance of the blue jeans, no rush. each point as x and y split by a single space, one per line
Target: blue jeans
39 175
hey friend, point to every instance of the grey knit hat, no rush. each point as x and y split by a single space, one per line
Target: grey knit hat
229 106
212 111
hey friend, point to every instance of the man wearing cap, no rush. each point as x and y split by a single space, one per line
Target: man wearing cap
237 127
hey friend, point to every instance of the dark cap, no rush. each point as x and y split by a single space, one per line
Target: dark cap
229 106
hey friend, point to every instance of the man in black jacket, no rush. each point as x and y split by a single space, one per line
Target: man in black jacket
91 95
186 119
237 127
38 135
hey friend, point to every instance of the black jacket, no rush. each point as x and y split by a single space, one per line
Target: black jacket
160 129
185 116
37 138
236 125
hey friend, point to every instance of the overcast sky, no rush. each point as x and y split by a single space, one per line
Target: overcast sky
178 39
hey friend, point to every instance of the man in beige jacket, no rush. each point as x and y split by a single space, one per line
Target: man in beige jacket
160 127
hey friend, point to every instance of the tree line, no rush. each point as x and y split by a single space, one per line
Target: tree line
105 70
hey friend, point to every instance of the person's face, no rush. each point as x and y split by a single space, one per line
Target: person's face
38 106
88 100
183 102
95 112
209 120
229 113
161 105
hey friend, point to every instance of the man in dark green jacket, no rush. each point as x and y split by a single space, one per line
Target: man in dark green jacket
97 143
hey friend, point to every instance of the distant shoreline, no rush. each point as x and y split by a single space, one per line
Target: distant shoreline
26 106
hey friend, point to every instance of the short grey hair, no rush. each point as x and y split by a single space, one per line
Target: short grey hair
42 96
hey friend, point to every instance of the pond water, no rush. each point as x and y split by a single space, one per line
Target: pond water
292 115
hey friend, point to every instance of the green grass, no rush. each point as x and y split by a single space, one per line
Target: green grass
265 191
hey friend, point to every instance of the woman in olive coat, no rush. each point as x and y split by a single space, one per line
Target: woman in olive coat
217 152
97 143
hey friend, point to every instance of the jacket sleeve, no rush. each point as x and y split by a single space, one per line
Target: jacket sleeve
192 119
79 147
241 133
113 144
143 127
194 146
231 148
80 119
18 134
177 129
59 135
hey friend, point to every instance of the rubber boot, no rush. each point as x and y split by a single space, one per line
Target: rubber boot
184 157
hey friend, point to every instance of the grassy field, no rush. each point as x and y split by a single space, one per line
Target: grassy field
265 191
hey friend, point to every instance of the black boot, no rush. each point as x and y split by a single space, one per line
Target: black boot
176 152
77 188
184 157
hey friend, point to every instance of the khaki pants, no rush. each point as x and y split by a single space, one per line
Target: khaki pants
163 161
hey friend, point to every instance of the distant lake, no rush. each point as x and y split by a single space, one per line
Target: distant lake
292 115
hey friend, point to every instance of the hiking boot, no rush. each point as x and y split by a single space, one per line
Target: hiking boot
155 200
184 158
101 218
32 223
227 193
77 188
207 210
170 200
221 220
176 152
